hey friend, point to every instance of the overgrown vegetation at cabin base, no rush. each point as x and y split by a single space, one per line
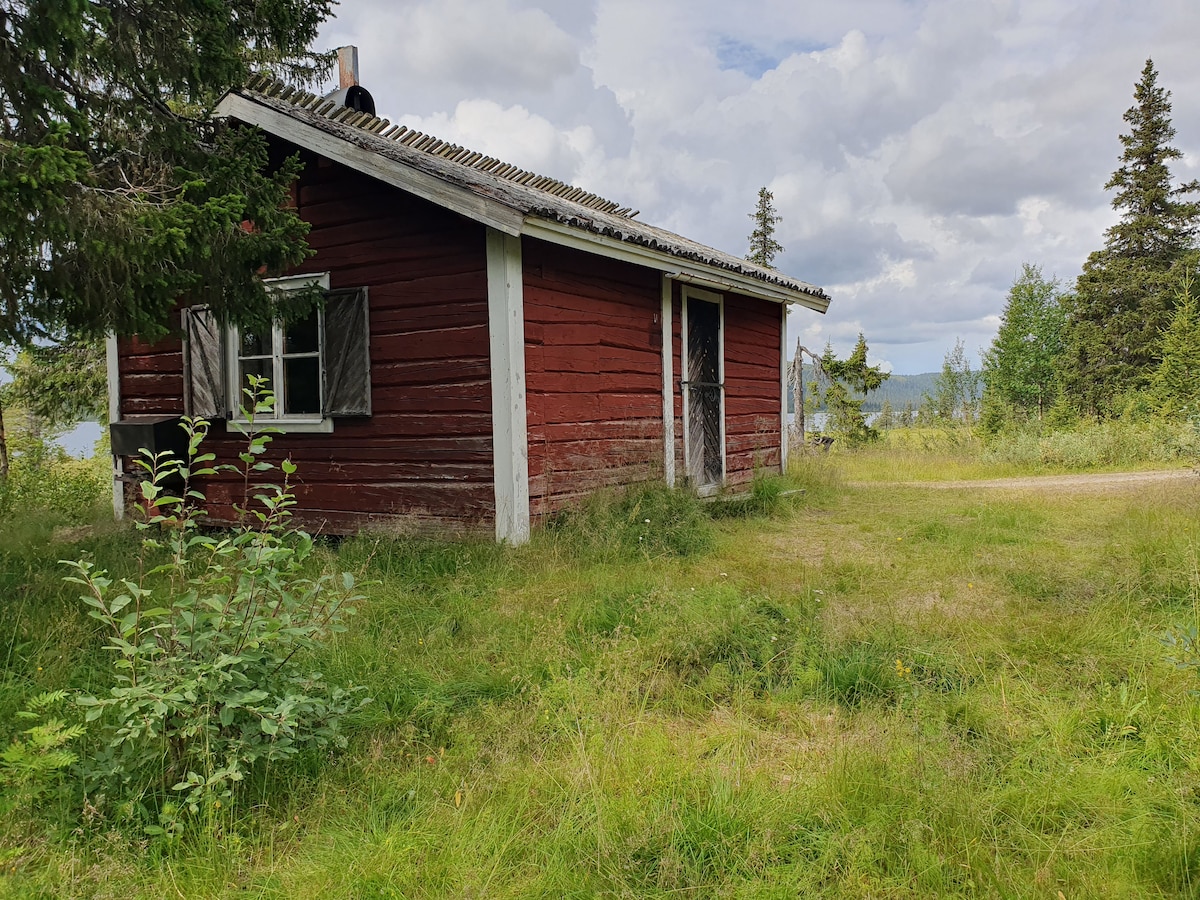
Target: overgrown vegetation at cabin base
871 691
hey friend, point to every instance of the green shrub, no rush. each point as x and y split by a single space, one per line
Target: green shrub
209 666
1090 445
52 483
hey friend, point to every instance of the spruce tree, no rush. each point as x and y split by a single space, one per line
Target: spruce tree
1175 386
850 380
118 193
763 246
1124 298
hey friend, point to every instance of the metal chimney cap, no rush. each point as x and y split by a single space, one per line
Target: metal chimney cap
356 97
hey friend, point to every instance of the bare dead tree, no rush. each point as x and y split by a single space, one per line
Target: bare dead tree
797 377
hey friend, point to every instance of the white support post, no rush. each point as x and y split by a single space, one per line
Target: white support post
668 392
783 390
113 367
510 437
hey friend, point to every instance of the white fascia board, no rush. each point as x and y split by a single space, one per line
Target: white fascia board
712 277
668 383
783 392
421 184
112 361
510 436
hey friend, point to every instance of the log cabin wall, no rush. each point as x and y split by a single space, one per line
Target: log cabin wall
593 369
752 402
424 457
752 386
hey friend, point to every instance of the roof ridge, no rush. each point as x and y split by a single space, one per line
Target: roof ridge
270 86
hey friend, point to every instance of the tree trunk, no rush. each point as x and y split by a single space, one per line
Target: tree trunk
798 394
3 447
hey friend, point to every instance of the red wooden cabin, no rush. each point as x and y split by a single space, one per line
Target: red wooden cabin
495 344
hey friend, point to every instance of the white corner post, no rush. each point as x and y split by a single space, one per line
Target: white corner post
783 389
510 437
113 367
668 394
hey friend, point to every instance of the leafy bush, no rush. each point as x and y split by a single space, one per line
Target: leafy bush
210 645
1096 444
56 484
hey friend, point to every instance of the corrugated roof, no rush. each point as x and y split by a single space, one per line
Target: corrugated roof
523 192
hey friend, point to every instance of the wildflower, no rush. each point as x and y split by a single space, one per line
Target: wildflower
902 671
970 584
647 521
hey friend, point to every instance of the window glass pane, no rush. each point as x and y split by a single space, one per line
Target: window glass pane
301 336
255 344
259 367
302 386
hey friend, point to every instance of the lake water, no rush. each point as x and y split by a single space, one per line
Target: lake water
81 440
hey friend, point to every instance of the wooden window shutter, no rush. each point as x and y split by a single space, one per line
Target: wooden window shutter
204 353
347 357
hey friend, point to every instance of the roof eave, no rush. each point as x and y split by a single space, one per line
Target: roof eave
692 271
361 159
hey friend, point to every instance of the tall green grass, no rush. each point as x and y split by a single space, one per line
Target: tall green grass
846 692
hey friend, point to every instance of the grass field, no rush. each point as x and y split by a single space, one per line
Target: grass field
864 690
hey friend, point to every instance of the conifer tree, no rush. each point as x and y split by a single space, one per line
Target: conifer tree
763 246
1176 383
850 380
1124 298
118 194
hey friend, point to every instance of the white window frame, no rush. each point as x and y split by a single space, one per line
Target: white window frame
687 292
318 423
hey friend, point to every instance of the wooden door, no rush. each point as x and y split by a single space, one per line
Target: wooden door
704 371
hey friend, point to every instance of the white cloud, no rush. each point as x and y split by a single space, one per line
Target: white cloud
919 152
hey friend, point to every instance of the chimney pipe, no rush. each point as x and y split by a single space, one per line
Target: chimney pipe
347 67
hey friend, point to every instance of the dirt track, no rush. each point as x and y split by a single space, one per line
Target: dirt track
1103 481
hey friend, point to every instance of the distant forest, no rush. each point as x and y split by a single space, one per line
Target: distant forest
898 389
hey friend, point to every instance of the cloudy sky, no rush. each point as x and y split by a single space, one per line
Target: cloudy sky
919 150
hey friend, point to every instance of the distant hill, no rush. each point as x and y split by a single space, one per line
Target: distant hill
898 389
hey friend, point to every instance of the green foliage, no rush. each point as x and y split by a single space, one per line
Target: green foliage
209 646
1175 386
1091 444
1020 367
60 384
39 754
118 195
850 380
763 245
647 521
955 398
44 480
1122 303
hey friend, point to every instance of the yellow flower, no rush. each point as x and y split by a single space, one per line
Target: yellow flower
902 671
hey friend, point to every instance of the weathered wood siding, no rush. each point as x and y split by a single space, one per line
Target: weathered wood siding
425 455
752 426
593 366
752 393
